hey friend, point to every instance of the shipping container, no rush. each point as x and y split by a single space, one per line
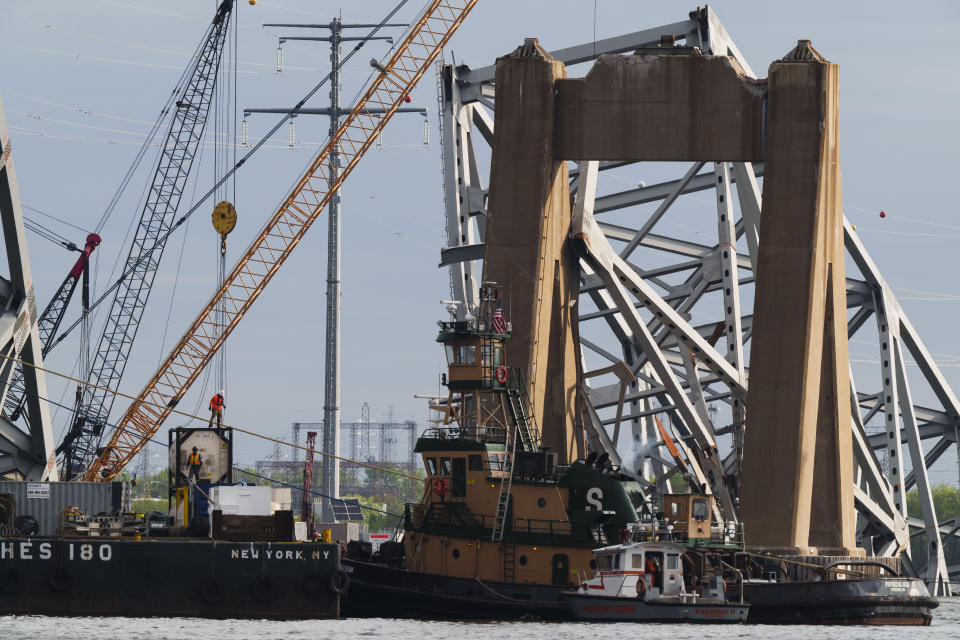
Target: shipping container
46 500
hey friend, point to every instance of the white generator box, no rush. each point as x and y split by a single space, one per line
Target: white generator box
281 498
242 500
300 531
342 531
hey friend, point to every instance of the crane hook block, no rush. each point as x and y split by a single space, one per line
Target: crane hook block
224 218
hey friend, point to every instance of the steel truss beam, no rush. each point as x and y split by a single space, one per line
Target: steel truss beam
27 454
670 294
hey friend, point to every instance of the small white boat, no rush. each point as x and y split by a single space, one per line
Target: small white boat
644 582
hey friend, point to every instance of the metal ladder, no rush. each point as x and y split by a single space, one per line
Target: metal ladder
517 403
509 562
503 500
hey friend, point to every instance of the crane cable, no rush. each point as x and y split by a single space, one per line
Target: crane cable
287 116
196 417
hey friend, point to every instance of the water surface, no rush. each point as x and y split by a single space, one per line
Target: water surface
946 624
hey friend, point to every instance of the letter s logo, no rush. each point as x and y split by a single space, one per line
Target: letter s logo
594 499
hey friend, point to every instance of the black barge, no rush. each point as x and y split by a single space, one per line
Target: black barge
167 577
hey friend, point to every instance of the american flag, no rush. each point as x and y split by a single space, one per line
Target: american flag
499 324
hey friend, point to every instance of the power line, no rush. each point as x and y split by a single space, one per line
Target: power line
193 417
291 113
316 493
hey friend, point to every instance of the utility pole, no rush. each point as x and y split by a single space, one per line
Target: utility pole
330 485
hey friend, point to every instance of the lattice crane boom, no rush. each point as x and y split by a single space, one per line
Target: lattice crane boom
243 285
126 310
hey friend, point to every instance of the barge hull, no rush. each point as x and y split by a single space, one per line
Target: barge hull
169 578
620 609
870 601
380 591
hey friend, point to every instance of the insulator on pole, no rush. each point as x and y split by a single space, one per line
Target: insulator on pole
426 134
279 59
380 141
291 138
243 133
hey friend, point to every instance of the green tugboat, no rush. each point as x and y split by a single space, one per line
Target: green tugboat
502 529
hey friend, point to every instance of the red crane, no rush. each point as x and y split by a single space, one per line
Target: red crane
306 512
49 321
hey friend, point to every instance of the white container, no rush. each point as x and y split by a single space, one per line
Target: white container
242 500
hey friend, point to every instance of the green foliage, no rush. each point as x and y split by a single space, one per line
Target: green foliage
946 504
377 521
395 491
153 486
150 504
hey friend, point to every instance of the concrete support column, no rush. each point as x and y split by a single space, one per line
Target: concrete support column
798 407
526 251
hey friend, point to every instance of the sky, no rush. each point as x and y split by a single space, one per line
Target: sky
81 82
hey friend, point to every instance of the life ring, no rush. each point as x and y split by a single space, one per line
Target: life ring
339 582
641 588
211 592
501 373
9 581
262 588
59 579
439 486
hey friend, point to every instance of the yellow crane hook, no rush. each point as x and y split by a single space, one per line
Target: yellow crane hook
224 220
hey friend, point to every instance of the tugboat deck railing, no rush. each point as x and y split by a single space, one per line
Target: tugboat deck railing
727 537
454 521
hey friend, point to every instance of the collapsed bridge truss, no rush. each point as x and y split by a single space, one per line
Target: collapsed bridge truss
705 295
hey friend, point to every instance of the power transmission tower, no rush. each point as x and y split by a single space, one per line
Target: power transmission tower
330 483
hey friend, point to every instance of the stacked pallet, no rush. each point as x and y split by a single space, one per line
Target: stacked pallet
76 524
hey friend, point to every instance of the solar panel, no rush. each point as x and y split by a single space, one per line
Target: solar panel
347 511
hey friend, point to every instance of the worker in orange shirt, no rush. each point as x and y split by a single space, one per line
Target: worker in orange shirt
217 405
653 570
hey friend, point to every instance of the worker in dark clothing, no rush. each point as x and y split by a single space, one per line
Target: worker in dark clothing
194 462
217 405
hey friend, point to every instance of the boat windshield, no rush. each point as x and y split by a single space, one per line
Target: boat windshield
700 509
608 561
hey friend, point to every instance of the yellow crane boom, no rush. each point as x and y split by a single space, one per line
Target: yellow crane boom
282 233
